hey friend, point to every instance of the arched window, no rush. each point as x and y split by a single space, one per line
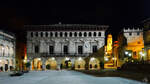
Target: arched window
51 34
94 34
90 65
46 34
99 34
85 34
41 34
95 66
78 66
31 34
75 34
80 34
61 34
56 34
36 34
66 34
90 34
70 34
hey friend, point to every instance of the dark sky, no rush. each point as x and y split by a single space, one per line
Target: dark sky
116 13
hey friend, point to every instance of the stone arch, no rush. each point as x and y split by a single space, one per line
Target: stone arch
79 64
52 63
66 63
36 64
94 64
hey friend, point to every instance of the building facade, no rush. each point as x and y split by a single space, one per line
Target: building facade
135 43
146 37
63 45
7 51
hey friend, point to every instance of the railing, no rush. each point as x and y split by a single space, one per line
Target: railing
59 54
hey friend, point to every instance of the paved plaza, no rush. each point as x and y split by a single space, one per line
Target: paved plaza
61 77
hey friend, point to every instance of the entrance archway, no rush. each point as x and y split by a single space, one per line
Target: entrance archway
37 64
79 64
94 64
66 63
51 63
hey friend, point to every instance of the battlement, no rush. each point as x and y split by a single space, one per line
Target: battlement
133 29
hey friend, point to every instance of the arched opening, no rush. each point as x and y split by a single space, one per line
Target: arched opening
6 65
94 64
79 64
51 64
66 63
37 64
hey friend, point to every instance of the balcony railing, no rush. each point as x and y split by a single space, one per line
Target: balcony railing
59 54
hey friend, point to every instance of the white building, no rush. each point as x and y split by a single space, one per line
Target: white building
7 51
135 42
61 42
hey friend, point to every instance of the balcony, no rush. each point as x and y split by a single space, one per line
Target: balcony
59 54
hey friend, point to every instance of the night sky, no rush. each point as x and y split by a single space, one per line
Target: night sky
115 13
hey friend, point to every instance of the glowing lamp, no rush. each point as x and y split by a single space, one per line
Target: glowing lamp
92 59
126 52
53 58
130 54
67 58
80 58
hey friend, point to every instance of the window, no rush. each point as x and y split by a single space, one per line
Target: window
31 34
138 33
94 34
80 50
85 34
94 49
61 34
66 34
75 34
70 34
90 34
99 34
41 34
65 49
36 49
51 49
56 34
80 34
51 34
36 34
46 34
130 34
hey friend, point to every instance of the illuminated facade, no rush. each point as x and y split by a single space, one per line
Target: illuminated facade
135 43
63 45
7 51
146 37
108 57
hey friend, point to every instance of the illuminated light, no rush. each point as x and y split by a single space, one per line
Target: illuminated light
80 58
113 58
0 60
126 52
53 58
67 58
130 54
92 59
39 59
141 53
132 60
106 59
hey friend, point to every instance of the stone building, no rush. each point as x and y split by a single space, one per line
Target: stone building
135 43
63 45
7 51
146 37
